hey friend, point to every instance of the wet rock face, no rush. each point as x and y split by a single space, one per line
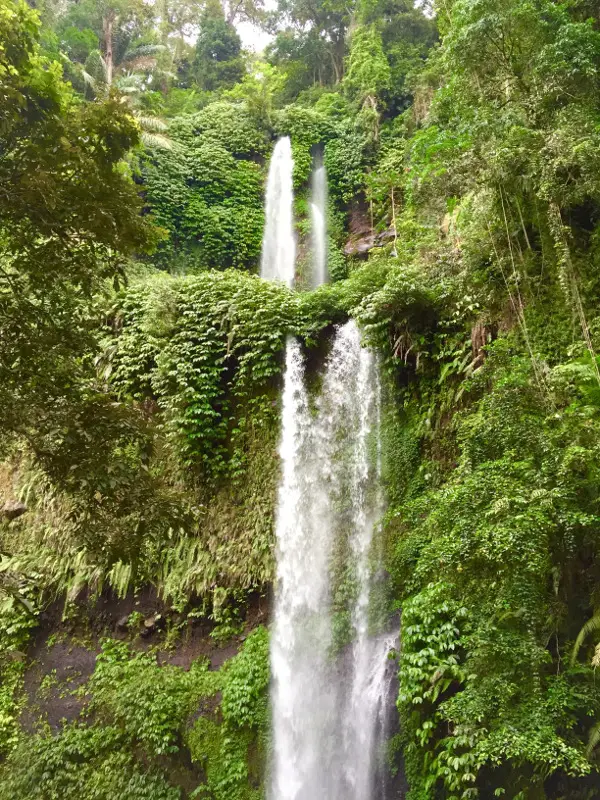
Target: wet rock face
13 509
362 244
152 624
359 246
122 624
362 237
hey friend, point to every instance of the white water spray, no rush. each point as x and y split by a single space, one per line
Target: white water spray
318 216
327 710
303 707
364 708
279 245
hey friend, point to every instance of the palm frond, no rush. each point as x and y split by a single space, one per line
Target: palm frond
151 124
590 626
95 66
88 79
593 740
156 140
142 64
144 51
130 80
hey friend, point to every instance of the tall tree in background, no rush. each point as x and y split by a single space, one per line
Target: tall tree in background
217 61
314 45
179 22
243 11
368 74
326 23
116 23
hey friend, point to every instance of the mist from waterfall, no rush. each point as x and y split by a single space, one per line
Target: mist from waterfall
278 260
328 709
318 217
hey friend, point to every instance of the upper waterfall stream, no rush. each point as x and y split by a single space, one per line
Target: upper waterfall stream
318 216
279 243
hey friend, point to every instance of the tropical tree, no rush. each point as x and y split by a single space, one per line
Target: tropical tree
69 215
217 60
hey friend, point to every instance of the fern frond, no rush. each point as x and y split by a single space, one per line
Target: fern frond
119 578
590 626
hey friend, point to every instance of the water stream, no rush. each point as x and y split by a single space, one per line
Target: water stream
329 690
279 243
318 216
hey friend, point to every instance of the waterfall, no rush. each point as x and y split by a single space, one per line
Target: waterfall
318 215
328 704
364 716
328 709
279 246
303 705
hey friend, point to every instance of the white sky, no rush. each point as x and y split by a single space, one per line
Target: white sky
253 38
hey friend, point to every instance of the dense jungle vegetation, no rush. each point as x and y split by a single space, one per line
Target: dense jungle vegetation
141 361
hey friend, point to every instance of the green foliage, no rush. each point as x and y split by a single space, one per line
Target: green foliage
160 467
149 703
79 43
212 369
217 61
345 162
503 535
67 228
73 212
301 57
82 762
15 625
231 753
230 125
141 717
206 192
307 128
244 693
368 74
492 462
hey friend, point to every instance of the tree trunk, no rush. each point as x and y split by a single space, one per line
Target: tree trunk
107 27
395 253
334 63
338 57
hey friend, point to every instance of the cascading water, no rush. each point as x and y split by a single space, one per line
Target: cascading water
303 706
327 709
318 216
363 721
279 245
328 706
